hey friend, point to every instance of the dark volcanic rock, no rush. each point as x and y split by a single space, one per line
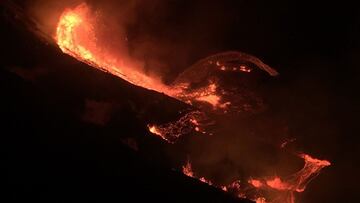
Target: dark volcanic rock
63 126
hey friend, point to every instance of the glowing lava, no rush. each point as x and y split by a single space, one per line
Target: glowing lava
66 30
189 122
282 189
76 36
187 170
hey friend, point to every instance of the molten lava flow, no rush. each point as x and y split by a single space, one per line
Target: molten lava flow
66 29
200 84
76 36
255 183
282 188
298 181
210 95
187 170
192 121
156 131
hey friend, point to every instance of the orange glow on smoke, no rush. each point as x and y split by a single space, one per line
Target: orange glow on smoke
210 96
76 36
278 184
65 35
187 170
255 183
282 188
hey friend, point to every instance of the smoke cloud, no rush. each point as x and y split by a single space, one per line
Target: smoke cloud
163 38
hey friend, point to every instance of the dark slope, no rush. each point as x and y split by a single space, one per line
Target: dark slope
63 129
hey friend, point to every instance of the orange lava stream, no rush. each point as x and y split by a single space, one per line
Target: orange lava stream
171 131
157 131
75 35
282 188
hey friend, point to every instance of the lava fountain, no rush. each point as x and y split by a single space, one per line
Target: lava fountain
76 35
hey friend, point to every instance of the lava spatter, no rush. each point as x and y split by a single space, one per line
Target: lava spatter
281 190
202 86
